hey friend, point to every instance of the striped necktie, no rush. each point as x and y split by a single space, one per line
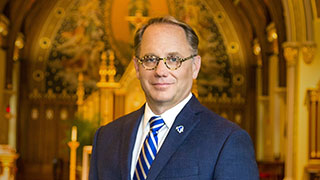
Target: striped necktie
149 149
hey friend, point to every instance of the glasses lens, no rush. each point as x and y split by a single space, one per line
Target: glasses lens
173 62
149 61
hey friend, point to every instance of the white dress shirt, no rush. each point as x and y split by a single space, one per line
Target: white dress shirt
168 117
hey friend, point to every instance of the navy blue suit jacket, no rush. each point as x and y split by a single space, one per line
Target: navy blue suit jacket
210 147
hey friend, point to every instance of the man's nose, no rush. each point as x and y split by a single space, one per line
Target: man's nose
161 69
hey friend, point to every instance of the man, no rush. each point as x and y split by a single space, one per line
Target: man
172 136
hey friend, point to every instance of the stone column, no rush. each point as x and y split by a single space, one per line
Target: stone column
13 94
4 24
274 105
87 150
260 103
291 54
3 120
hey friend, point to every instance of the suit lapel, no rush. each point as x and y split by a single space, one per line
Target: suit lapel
128 137
174 139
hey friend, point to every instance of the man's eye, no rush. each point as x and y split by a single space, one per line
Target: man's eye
173 59
150 59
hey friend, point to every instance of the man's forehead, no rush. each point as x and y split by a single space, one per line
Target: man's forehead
168 26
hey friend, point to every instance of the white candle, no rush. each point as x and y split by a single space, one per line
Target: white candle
74 133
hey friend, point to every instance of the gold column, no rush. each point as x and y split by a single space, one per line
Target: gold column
291 54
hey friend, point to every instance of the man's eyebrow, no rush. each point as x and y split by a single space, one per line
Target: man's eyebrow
150 54
173 54
169 54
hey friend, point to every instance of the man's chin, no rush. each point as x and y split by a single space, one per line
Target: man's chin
160 99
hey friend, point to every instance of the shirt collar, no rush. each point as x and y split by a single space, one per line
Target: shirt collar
168 116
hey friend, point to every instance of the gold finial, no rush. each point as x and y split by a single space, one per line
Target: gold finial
111 68
107 70
103 71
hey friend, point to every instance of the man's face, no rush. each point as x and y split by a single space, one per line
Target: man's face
163 87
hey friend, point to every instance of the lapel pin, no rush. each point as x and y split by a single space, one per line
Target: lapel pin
180 129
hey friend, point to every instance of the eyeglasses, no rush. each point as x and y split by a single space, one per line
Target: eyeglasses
171 62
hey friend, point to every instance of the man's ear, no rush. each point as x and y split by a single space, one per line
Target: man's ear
136 66
196 64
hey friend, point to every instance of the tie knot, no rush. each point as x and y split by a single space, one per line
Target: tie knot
156 123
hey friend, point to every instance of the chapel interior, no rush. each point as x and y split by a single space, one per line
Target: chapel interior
66 68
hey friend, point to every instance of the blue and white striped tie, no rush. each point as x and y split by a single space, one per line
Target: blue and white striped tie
149 149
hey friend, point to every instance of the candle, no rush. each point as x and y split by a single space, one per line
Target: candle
74 133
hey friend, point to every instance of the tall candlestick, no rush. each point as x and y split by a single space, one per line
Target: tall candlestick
74 133
73 159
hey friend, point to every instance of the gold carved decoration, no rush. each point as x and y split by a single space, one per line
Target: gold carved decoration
308 51
257 52
137 20
233 47
223 99
34 113
291 52
238 79
35 94
313 103
50 94
272 32
38 75
45 43
18 45
273 37
219 16
4 24
8 157
59 12
49 114
64 95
